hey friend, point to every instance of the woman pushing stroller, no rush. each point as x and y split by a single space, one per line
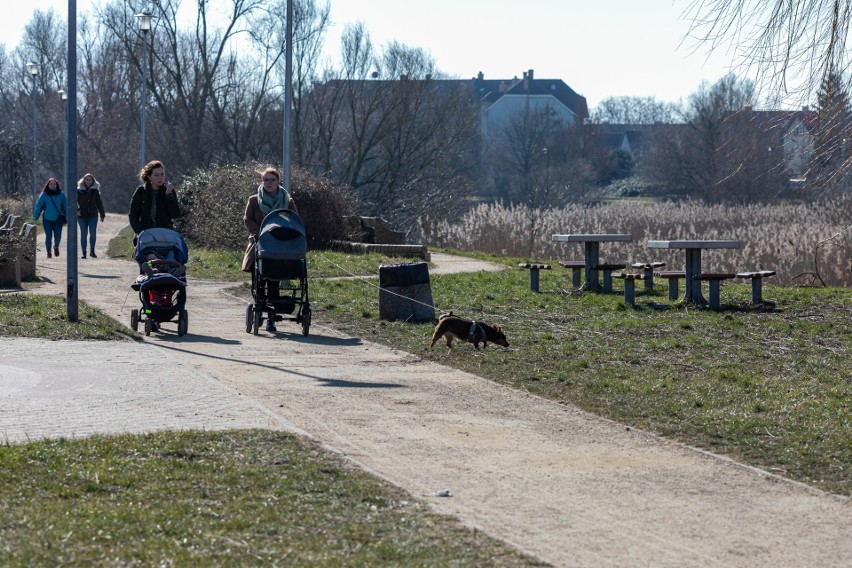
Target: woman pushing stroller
155 202
270 196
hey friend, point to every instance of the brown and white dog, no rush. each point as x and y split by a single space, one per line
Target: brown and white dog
453 327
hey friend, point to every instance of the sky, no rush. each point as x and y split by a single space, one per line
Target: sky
600 48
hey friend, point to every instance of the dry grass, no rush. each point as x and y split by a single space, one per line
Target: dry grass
782 237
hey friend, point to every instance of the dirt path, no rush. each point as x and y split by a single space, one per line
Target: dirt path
556 482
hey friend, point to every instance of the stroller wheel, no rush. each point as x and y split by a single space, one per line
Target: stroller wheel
183 323
258 316
149 326
306 320
249 318
134 320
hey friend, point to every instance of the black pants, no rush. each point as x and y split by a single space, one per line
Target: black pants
267 289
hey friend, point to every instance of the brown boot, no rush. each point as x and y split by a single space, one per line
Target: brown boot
56 251
49 255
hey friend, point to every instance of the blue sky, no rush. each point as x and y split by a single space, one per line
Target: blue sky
600 48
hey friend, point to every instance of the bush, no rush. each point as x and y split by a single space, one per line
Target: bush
214 201
14 206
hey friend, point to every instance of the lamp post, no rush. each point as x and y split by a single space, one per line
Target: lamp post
145 26
33 69
288 94
64 96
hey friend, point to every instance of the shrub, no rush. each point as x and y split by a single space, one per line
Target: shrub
214 201
14 206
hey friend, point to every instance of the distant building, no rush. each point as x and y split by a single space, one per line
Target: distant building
501 99
791 133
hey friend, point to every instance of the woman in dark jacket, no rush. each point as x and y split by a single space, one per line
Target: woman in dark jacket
155 202
89 207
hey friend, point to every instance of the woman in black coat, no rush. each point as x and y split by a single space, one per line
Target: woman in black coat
89 207
155 202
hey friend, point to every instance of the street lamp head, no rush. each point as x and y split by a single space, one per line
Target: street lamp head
144 21
33 68
62 95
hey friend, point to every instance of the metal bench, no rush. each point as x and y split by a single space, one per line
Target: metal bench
756 283
714 279
534 268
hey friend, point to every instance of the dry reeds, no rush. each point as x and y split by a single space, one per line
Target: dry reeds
804 243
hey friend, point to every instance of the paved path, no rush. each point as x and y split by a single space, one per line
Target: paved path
558 483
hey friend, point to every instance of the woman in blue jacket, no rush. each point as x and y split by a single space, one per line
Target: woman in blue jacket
53 204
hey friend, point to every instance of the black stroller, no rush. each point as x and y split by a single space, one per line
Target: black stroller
161 254
279 255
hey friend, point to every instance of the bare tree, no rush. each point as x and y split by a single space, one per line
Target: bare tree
830 164
792 45
634 110
721 153
387 127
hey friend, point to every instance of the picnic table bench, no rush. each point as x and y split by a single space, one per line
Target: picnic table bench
714 279
591 247
576 267
607 270
756 278
534 268
693 249
630 279
673 276
648 269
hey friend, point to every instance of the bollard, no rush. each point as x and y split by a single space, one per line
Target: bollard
405 292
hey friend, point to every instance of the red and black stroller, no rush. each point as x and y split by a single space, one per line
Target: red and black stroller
162 255
279 255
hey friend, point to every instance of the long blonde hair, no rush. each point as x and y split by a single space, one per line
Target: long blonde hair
82 182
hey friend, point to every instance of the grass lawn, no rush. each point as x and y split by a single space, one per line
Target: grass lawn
767 385
770 386
232 498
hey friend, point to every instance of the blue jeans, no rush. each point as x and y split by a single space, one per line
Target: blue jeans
88 227
52 233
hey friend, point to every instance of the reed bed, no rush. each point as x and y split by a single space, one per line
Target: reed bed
807 244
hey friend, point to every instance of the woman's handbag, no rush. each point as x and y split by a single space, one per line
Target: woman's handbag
63 220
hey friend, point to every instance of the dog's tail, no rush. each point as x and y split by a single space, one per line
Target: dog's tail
442 316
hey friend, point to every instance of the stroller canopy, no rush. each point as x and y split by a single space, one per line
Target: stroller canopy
166 243
282 236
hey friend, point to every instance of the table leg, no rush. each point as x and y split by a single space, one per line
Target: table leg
693 268
592 253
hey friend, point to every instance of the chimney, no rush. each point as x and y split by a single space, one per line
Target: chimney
480 76
530 74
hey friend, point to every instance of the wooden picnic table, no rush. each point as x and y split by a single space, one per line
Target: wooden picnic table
693 250
591 249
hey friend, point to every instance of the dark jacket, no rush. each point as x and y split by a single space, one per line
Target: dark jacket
89 202
168 208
